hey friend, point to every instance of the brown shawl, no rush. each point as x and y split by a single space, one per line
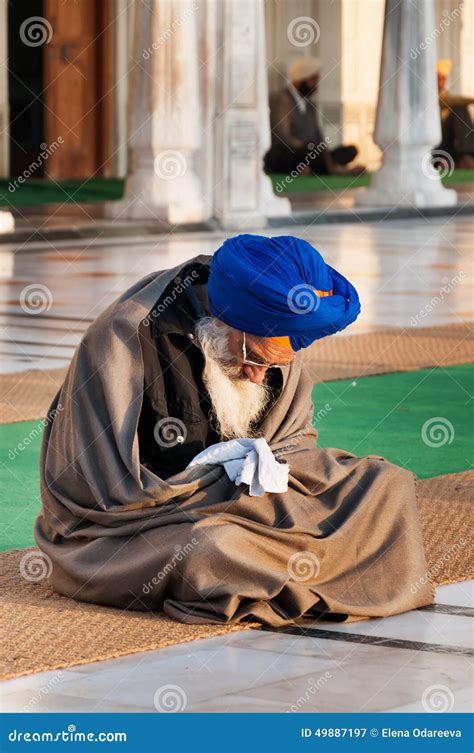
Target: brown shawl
345 538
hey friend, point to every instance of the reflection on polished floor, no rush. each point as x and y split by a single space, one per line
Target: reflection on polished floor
50 294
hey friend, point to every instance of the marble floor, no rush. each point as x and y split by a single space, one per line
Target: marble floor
418 661
50 293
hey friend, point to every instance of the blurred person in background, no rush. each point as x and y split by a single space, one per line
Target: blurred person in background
457 124
298 142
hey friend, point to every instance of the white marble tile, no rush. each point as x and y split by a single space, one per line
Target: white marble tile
25 336
456 594
200 674
461 700
14 365
38 681
426 627
58 702
40 350
369 679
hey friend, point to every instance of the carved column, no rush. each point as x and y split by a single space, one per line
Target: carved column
243 194
164 115
407 125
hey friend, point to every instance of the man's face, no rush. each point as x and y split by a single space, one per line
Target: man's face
308 86
259 349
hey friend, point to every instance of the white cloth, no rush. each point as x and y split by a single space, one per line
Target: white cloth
247 461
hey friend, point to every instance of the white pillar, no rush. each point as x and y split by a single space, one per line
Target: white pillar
407 125
164 115
243 193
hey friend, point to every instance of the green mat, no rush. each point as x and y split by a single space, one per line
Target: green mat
19 482
312 183
421 420
375 415
34 192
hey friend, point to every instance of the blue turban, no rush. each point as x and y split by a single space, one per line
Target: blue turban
277 287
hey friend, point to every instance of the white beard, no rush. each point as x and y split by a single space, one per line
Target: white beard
236 401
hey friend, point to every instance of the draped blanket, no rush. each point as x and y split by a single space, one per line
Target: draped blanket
345 539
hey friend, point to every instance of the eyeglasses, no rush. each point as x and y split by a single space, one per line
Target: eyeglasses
247 362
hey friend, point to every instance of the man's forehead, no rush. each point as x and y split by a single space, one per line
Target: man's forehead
269 349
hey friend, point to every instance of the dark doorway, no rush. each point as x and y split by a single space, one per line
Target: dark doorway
25 83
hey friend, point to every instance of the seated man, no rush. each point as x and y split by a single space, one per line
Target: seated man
298 142
189 360
457 125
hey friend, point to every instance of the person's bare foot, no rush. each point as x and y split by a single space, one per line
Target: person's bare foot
357 170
